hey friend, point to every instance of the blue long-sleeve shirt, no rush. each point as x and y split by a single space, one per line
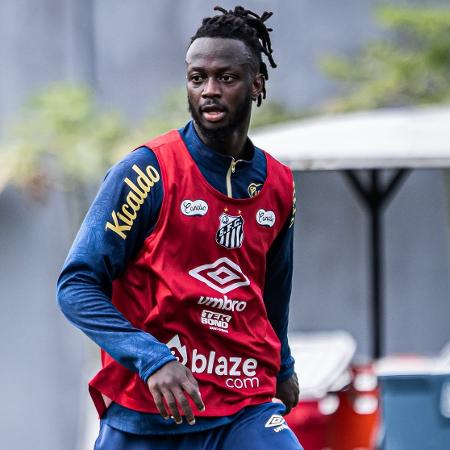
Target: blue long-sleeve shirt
98 256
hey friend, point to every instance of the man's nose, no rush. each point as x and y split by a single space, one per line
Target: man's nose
211 88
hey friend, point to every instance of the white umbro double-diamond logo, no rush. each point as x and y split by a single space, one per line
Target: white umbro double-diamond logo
274 421
222 275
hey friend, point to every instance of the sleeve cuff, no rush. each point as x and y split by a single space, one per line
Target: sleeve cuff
286 370
147 372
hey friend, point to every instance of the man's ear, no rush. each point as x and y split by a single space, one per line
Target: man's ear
257 85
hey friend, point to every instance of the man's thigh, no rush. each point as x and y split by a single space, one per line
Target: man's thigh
111 439
260 427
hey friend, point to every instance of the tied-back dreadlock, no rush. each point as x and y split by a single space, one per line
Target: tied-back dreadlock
246 26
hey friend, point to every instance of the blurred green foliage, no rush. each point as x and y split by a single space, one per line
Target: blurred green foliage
410 65
172 113
61 139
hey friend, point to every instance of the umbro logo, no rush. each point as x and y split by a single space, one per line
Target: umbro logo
222 275
276 422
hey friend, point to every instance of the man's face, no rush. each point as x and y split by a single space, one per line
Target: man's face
221 82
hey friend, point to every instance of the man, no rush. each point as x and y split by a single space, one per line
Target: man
181 271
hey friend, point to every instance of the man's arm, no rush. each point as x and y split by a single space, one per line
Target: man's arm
277 293
100 253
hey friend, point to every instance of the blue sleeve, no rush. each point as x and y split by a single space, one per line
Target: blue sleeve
100 253
277 291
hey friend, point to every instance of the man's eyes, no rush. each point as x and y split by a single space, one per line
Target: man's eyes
196 78
226 78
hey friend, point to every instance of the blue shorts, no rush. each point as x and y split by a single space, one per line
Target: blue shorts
258 427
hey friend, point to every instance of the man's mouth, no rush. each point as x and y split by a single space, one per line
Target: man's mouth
213 113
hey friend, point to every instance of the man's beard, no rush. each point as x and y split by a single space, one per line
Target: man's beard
222 134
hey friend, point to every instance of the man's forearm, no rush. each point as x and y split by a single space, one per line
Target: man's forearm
89 309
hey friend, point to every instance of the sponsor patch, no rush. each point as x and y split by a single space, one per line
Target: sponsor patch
178 350
215 321
254 189
225 303
265 218
222 275
231 231
194 207
123 220
235 371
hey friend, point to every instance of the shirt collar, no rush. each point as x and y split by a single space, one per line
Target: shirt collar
207 156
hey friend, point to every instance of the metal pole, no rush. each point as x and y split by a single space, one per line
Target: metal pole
375 198
376 236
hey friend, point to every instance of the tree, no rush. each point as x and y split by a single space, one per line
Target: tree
411 65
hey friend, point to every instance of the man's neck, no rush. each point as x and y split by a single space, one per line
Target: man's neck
231 143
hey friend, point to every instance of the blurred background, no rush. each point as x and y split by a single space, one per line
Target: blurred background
82 82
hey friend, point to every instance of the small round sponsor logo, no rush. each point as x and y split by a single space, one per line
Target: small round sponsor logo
194 207
265 218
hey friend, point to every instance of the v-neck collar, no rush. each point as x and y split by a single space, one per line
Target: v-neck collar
208 157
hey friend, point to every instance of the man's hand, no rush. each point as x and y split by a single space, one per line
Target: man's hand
288 392
169 386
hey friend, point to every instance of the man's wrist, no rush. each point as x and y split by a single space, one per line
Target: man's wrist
285 374
149 371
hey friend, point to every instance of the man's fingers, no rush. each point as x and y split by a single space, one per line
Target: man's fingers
157 397
173 407
172 387
191 377
184 405
293 401
194 392
195 395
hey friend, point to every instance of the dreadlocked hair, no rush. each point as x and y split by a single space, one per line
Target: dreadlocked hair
246 26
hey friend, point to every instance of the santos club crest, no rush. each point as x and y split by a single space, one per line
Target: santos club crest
231 231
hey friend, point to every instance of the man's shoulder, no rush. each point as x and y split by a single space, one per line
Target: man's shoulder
167 138
141 157
274 163
143 153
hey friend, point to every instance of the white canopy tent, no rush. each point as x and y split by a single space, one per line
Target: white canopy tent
407 138
399 139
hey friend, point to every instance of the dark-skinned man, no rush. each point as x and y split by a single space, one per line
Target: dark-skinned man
181 271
